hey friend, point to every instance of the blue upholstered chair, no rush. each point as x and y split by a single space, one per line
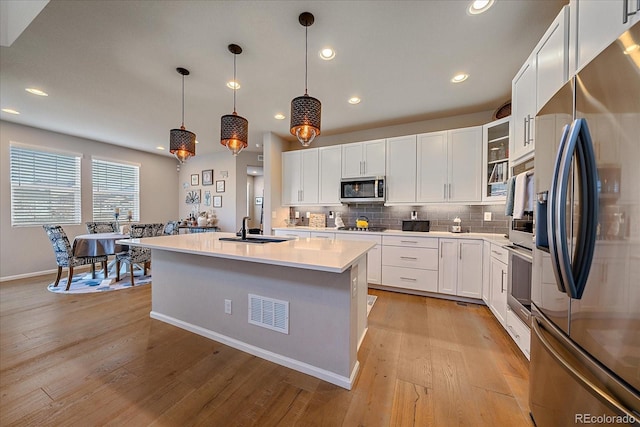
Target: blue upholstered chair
64 254
171 228
136 254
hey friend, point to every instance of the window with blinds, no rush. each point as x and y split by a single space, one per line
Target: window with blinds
115 185
45 186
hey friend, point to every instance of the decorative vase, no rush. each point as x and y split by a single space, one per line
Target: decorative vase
202 221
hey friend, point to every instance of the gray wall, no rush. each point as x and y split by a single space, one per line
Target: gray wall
26 250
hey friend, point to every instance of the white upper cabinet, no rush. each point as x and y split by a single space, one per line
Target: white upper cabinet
330 162
523 110
552 59
363 159
432 176
465 164
300 177
401 169
495 160
449 166
599 23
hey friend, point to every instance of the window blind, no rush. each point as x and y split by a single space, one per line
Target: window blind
45 187
115 185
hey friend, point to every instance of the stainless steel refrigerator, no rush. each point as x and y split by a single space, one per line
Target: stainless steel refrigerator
585 332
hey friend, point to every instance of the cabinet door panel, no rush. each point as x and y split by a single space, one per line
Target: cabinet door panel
524 106
448 267
374 158
465 165
351 160
309 176
498 296
401 169
552 59
330 162
290 177
470 269
432 167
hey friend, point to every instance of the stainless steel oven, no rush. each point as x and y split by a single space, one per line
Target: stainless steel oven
519 282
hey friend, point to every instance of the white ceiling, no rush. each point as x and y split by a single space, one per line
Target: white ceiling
109 66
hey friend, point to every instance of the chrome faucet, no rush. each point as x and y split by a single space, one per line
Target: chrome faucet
243 230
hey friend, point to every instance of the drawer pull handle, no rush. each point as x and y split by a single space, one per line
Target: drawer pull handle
410 279
408 241
409 257
497 253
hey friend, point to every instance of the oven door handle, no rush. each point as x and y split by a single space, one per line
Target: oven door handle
551 211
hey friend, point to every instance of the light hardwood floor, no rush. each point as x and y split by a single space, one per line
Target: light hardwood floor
99 359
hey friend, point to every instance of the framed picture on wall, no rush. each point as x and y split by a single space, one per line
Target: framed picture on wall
217 201
258 200
195 179
207 198
207 177
220 186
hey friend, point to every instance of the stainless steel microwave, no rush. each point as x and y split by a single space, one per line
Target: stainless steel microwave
362 190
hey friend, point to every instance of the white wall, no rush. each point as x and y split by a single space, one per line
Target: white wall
274 212
258 191
26 250
224 169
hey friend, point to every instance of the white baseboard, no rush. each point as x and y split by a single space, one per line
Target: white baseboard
305 368
40 273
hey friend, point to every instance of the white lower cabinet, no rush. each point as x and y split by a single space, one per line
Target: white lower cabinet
498 288
410 263
292 233
519 332
323 235
374 257
460 268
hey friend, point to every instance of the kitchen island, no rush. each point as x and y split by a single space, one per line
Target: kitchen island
300 303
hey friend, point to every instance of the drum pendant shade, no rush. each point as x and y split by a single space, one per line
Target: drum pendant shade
182 143
234 129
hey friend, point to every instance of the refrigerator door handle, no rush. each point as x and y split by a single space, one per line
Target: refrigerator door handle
610 400
551 212
587 233
578 144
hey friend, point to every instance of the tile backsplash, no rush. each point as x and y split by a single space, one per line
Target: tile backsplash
391 217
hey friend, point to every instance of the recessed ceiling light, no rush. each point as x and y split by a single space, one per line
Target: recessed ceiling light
10 111
327 54
35 91
478 6
459 78
233 85
354 100
630 49
159 148
279 116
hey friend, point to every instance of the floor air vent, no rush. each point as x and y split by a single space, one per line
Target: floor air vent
269 313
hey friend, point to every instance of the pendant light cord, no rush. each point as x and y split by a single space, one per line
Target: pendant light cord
183 101
306 57
235 88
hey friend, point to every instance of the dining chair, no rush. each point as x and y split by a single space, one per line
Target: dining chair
136 254
94 227
171 228
64 254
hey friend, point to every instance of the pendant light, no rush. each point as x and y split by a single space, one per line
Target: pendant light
305 110
182 143
234 129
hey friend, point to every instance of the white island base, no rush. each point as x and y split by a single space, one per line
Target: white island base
327 310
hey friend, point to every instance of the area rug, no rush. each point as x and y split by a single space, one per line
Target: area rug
85 284
371 299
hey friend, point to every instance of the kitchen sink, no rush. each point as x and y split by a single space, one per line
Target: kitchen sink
258 240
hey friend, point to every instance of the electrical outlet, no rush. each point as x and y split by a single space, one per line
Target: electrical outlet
330 214
273 215
297 214
487 216
308 214
227 306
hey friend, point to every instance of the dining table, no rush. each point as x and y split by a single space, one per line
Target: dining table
97 244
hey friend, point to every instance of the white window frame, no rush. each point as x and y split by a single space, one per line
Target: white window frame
110 193
45 186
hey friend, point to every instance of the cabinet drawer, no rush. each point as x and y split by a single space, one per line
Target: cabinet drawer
369 237
420 258
500 253
519 332
410 241
292 233
323 235
410 278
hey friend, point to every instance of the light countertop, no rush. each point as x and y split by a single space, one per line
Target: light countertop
334 256
499 239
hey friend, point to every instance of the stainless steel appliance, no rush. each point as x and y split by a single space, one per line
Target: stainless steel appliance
362 190
585 341
519 282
